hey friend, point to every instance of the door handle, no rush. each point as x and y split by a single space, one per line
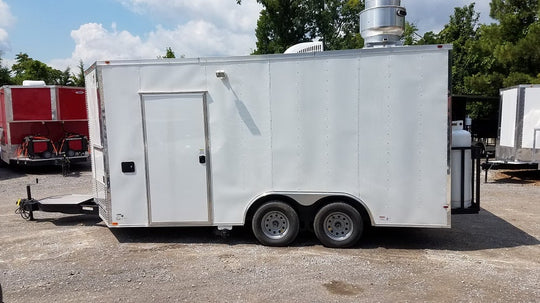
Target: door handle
202 159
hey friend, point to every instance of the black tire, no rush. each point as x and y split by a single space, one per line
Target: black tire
338 225
275 224
46 155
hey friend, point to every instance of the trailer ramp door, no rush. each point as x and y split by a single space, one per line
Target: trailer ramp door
175 137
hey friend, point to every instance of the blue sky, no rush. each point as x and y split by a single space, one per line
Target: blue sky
43 27
62 32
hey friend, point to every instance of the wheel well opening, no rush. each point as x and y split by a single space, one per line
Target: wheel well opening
348 200
253 208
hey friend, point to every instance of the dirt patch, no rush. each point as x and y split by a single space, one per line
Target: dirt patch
342 288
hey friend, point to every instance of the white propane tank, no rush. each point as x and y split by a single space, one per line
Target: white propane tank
461 138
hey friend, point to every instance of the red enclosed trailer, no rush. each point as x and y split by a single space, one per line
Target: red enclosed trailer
45 124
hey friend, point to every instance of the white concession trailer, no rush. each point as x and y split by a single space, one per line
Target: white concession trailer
328 140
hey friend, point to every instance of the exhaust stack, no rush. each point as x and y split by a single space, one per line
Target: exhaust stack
382 23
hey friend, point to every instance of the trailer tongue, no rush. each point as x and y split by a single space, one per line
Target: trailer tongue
67 204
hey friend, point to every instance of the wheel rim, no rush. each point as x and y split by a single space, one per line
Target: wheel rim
275 225
338 226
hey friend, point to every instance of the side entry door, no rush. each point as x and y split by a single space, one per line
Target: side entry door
175 137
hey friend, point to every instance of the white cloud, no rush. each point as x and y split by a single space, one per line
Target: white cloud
202 38
209 28
6 21
94 42
222 13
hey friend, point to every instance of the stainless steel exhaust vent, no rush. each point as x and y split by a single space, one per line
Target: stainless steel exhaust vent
382 22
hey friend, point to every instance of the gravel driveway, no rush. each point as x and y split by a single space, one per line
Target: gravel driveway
493 256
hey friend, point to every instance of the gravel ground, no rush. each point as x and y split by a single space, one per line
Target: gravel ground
493 256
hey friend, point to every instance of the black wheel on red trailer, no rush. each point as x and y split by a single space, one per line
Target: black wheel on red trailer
46 154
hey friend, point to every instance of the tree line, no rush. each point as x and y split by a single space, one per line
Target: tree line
26 68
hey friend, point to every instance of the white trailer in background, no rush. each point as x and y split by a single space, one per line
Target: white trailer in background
519 125
329 140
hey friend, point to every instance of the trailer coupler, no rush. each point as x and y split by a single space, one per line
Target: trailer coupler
26 207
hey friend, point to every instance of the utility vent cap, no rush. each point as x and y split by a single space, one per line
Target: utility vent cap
382 22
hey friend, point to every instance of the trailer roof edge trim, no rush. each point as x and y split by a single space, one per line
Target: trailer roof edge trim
209 60
520 86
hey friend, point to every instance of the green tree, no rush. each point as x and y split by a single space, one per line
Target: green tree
27 68
428 38
78 79
169 53
335 22
283 23
5 77
461 32
409 35
514 17
507 52
62 77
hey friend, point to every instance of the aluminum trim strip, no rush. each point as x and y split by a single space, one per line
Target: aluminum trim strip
54 104
277 57
207 155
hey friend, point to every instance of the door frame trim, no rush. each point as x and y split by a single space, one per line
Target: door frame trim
209 197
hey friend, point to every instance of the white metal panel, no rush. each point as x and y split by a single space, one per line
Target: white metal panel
403 129
240 137
340 125
179 77
508 117
124 143
175 138
531 117
314 124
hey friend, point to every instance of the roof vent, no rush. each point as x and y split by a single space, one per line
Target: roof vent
382 23
305 47
33 83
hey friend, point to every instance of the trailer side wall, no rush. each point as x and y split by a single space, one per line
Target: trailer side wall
372 125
